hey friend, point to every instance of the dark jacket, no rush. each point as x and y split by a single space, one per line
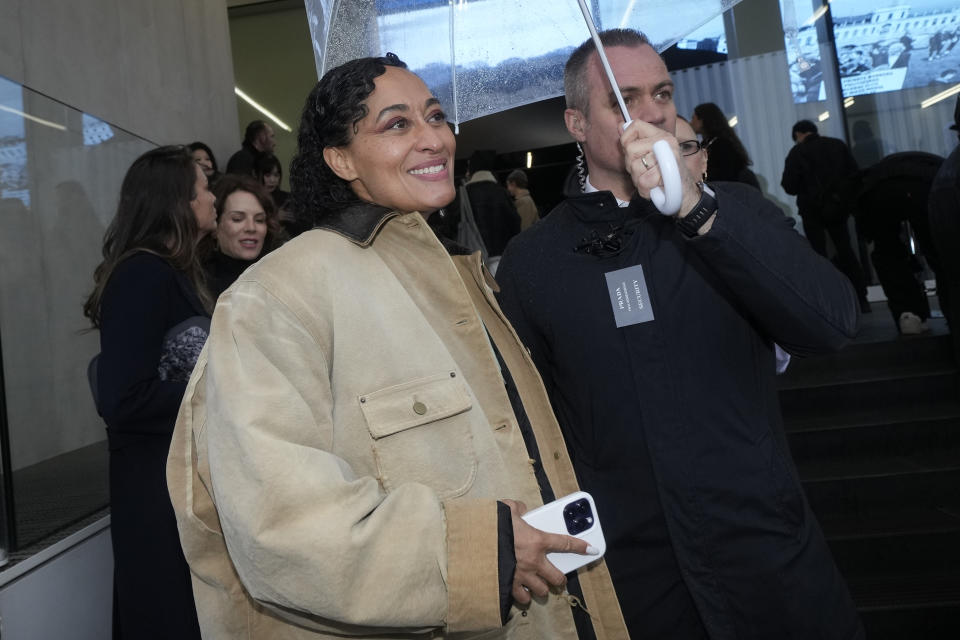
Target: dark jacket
814 165
724 164
222 270
243 161
496 216
674 424
144 298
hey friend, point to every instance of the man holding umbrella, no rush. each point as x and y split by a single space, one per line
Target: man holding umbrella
654 336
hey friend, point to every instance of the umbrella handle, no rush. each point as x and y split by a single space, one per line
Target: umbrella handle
666 199
669 198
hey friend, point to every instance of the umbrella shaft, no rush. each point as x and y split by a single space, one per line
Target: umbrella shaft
588 18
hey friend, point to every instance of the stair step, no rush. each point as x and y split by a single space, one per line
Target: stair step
868 416
840 467
824 376
882 555
919 390
931 622
905 591
906 520
935 350
874 441
854 493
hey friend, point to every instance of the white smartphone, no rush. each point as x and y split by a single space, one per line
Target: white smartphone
573 515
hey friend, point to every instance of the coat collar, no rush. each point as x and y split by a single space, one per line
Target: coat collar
358 223
482 176
601 206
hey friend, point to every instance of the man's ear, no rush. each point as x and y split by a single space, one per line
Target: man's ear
340 162
576 124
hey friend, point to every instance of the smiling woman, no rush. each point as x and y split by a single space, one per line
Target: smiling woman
402 156
366 415
248 227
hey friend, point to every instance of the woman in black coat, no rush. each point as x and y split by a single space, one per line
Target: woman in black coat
150 305
727 159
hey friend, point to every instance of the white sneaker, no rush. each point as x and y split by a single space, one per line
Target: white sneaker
911 324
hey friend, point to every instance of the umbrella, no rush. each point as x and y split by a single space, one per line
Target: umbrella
483 56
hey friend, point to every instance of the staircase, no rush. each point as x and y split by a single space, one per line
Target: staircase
875 433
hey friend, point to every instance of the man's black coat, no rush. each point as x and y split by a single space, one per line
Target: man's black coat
674 424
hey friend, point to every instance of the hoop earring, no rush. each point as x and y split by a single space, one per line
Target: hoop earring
581 169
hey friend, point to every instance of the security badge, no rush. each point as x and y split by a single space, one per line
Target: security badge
628 296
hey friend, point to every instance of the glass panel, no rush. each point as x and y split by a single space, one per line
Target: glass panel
474 60
899 70
888 48
710 37
764 95
60 174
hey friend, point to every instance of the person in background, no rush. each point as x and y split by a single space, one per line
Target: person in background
944 215
269 172
258 138
892 213
526 207
493 210
867 149
654 337
813 167
247 228
362 428
728 159
203 156
693 151
152 309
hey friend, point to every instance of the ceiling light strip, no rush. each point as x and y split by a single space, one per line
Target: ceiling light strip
253 103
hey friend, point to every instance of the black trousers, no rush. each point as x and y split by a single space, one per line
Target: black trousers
816 232
153 594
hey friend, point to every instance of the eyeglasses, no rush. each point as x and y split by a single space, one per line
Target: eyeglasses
690 147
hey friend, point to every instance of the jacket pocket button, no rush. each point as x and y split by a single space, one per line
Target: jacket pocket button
419 408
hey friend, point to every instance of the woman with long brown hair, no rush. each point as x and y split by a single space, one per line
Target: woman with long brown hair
150 306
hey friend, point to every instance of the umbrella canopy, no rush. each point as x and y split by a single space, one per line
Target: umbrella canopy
484 56
918 165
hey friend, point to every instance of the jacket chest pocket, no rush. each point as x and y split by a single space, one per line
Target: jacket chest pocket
421 433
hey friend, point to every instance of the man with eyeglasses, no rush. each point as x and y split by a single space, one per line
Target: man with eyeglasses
654 337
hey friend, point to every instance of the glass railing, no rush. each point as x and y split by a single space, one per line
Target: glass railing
60 175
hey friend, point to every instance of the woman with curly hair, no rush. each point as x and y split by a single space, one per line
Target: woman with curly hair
152 309
248 227
727 158
364 429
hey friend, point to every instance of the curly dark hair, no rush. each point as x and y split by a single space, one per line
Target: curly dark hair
330 117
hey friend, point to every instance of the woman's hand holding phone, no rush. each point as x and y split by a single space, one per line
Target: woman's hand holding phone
534 573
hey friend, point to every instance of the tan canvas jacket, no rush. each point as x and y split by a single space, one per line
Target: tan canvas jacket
343 441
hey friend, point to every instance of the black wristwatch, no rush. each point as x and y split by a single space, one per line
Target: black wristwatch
690 224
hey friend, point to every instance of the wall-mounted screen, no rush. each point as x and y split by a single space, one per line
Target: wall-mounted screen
888 47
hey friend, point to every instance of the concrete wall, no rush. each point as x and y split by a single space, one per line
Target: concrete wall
158 68
278 76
